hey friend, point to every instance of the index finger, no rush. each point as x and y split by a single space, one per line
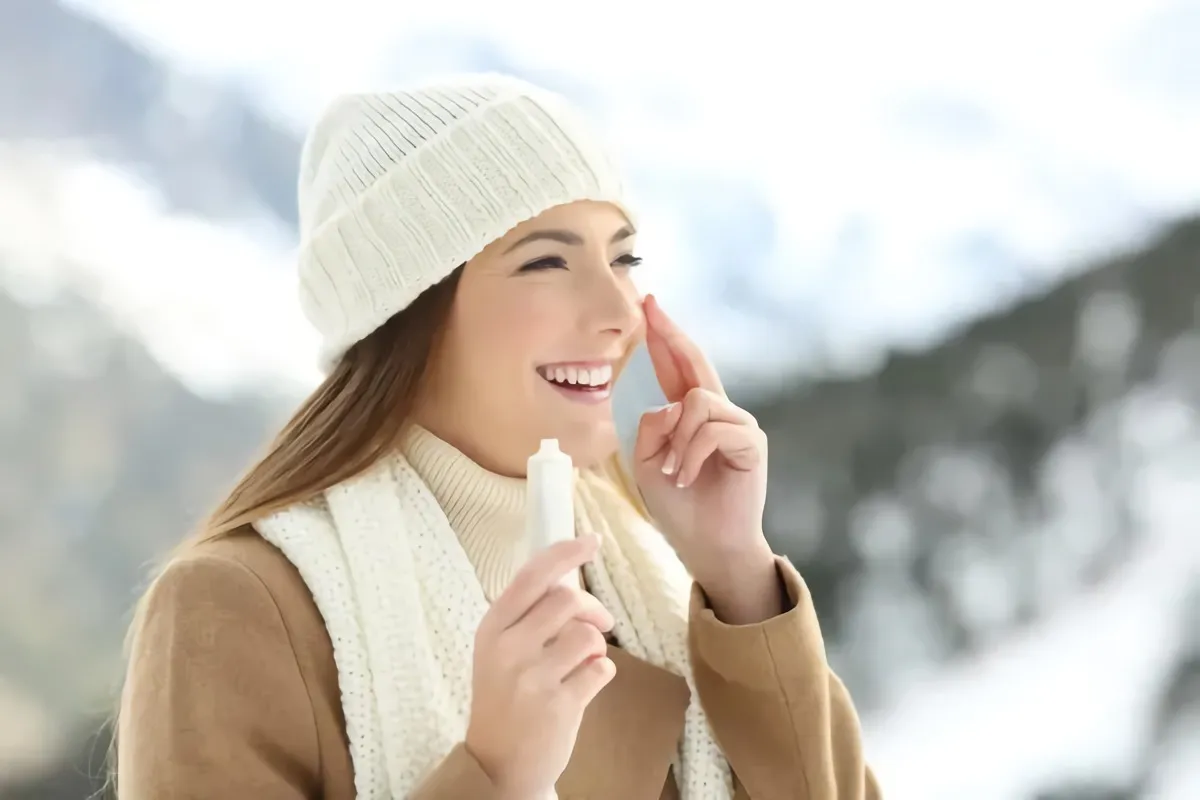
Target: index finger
697 369
543 571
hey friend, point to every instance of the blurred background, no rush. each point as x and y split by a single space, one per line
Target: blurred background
947 253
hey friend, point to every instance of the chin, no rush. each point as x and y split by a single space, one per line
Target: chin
588 444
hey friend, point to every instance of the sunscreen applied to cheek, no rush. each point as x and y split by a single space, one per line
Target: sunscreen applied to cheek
550 500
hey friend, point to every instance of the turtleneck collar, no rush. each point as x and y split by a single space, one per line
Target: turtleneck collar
485 510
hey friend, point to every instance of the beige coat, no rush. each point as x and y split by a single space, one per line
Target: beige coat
232 693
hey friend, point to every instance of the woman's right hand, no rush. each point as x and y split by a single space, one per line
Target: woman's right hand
540 658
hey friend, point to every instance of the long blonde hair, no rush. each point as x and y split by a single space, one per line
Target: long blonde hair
357 415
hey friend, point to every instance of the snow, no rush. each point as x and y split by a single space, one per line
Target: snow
1072 697
215 304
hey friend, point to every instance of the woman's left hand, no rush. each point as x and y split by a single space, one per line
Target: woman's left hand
701 465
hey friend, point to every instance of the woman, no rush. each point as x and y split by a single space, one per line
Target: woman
360 618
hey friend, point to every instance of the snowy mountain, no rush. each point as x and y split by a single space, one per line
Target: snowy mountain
829 187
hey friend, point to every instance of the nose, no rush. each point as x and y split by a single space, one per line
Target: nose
611 304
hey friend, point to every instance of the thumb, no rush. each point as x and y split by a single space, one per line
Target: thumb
654 432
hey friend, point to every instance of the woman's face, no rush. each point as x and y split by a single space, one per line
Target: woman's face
542 323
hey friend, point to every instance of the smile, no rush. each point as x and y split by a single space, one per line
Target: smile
583 382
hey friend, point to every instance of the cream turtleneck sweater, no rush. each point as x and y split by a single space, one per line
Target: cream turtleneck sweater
485 510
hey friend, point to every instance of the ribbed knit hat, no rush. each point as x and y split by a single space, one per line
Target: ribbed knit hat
399 188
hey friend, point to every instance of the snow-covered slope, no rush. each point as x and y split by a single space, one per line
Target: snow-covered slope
1071 699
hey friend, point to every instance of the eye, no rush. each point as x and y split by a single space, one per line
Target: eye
551 262
628 261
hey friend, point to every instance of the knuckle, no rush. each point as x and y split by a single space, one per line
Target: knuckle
560 599
566 595
570 629
579 599
576 632
697 396
595 640
696 409
552 598
527 684
591 605
502 657
586 637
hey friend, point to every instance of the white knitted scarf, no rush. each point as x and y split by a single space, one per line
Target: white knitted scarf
401 602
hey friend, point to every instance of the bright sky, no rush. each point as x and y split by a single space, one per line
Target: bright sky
1032 127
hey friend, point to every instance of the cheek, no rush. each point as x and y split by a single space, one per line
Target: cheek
509 328
633 296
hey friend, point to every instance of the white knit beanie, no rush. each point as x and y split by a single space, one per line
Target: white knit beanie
397 189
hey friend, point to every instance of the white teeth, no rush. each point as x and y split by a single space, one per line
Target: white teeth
596 376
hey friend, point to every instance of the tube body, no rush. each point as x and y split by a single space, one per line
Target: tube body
550 502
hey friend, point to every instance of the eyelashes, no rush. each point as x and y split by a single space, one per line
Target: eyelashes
557 262
542 264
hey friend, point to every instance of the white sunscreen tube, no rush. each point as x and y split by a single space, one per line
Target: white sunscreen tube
550 499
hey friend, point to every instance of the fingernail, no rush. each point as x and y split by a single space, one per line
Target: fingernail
668 466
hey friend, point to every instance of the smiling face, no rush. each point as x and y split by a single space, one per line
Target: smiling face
543 321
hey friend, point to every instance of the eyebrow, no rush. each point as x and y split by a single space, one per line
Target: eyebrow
566 237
